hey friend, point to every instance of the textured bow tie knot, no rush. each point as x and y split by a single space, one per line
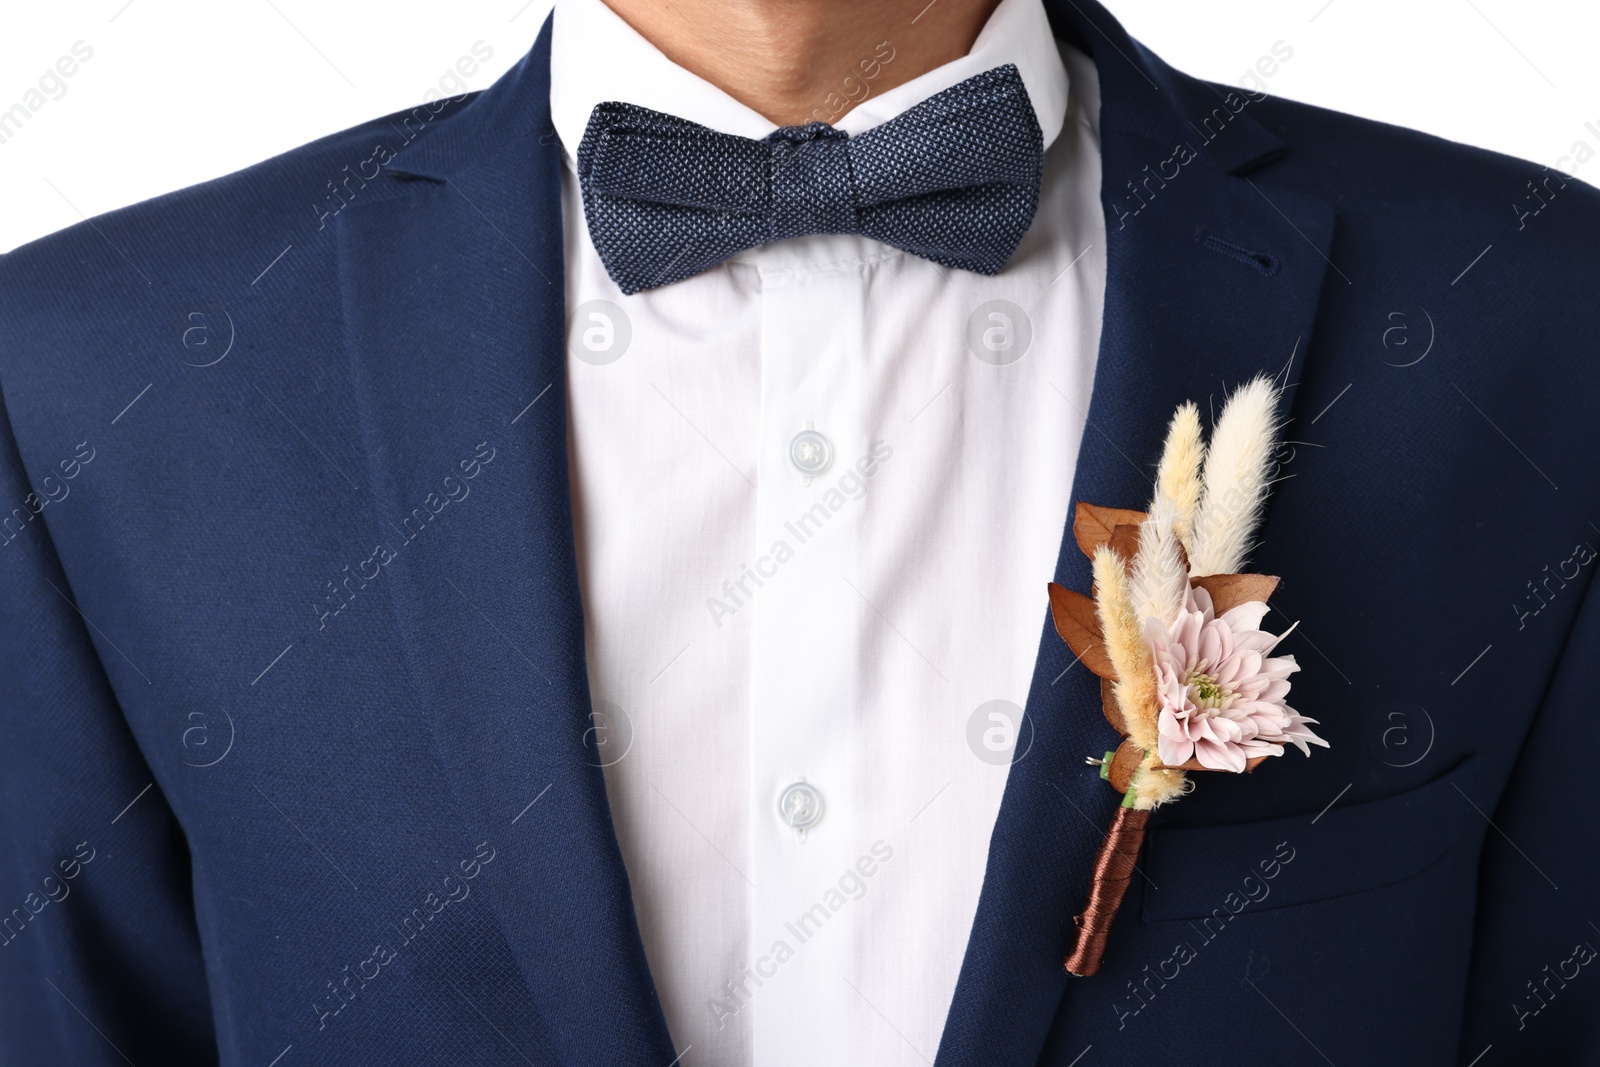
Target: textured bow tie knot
811 190
954 179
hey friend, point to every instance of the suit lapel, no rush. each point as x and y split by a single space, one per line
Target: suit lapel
455 324
1213 277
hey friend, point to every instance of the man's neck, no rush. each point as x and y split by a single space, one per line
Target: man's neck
799 61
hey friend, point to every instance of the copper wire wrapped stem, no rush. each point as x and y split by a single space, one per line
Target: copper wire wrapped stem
1113 870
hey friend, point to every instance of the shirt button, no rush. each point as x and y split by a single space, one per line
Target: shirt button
800 805
810 452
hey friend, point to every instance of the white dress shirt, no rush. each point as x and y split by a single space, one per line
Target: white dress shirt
861 636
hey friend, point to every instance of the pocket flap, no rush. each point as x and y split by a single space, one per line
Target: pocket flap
1347 849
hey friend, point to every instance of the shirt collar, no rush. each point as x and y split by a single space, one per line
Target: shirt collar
635 72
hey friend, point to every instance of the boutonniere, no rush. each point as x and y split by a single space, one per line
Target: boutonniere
1187 675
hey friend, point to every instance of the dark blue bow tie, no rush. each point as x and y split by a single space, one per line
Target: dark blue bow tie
954 179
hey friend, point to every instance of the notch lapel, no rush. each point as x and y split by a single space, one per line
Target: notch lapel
454 312
1213 277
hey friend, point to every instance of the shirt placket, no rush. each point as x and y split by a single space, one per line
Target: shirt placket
805 805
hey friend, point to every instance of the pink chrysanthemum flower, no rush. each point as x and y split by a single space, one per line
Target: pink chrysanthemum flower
1221 694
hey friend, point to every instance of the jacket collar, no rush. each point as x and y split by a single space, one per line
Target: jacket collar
1213 277
1140 95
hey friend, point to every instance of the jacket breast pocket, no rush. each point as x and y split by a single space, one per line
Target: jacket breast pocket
1277 863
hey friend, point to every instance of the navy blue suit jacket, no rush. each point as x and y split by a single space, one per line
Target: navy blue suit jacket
293 706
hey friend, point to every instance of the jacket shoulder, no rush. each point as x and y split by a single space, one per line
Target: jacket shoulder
1372 169
204 239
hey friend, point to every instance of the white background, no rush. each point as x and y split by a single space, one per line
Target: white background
179 91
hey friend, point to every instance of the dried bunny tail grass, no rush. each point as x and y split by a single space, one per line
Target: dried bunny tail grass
1160 578
1178 477
1135 688
1137 699
1236 469
1154 786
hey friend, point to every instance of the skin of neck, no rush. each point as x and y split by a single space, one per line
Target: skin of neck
800 61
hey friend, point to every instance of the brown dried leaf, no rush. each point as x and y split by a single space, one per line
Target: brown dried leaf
1123 763
1125 543
1093 525
1230 590
1113 710
1079 626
